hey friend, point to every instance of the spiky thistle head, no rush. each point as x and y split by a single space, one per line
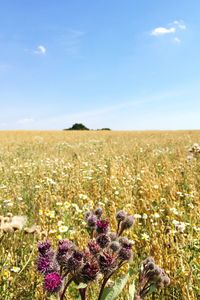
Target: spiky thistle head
53 283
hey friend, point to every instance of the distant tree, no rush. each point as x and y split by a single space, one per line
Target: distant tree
105 129
78 126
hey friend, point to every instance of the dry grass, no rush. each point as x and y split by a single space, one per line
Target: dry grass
52 178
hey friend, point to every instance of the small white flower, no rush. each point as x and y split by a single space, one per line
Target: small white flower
15 269
145 237
63 229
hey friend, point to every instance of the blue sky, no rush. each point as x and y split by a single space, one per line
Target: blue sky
108 63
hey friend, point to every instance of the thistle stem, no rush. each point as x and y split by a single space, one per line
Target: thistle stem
82 293
65 288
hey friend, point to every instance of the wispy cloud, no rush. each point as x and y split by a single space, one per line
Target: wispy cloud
172 28
41 50
180 24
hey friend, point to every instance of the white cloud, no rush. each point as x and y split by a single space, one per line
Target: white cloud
25 121
180 24
41 50
162 31
172 28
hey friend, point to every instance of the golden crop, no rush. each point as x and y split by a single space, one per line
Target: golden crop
49 179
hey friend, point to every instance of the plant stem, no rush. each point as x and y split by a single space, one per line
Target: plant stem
82 293
65 288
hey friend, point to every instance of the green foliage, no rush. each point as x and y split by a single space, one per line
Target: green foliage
78 126
113 292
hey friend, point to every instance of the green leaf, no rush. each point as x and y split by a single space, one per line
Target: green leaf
152 289
113 292
81 286
131 291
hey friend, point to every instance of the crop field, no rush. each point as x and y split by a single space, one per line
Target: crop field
48 180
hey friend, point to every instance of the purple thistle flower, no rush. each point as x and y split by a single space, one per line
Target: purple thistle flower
125 254
89 271
102 226
94 247
125 243
107 262
103 240
47 264
91 221
75 261
44 247
64 246
53 282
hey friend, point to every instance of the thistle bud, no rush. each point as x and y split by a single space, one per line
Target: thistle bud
127 223
115 246
120 216
92 221
103 240
98 212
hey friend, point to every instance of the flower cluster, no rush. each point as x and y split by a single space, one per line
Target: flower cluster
151 277
105 253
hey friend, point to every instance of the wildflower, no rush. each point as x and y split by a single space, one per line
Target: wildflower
125 254
145 237
53 282
102 226
103 240
94 247
45 265
91 221
63 229
75 261
90 271
44 247
15 269
107 263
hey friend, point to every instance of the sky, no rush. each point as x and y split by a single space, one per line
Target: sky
126 65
